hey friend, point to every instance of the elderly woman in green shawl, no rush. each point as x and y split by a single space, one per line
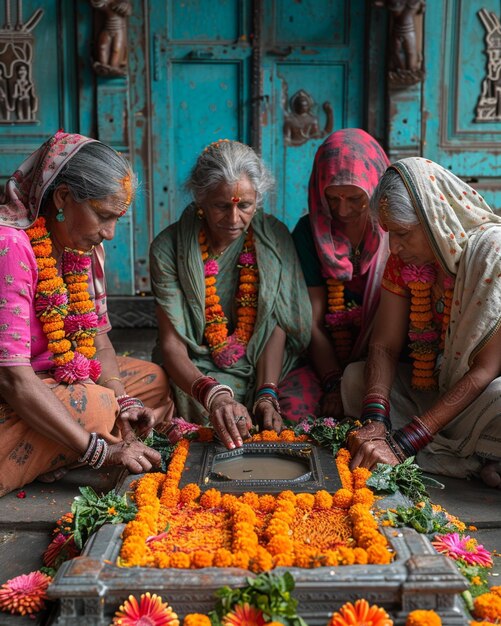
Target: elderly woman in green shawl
232 305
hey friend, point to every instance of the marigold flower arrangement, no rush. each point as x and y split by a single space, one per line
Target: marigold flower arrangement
65 309
426 339
223 530
341 318
227 350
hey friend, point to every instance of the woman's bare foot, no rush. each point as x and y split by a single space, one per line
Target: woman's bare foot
491 474
52 476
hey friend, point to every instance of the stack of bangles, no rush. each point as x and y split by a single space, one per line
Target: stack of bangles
376 408
331 382
413 437
126 402
267 392
205 389
96 452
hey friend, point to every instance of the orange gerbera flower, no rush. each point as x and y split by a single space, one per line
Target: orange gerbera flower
360 614
149 610
244 615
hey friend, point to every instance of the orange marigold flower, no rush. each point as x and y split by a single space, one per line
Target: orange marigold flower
241 559
342 499
250 498
201 558
223 558
423 618
267 503
305 501
363 496
196 619
360 476
323 499
488 606
180 560
210 499
189 493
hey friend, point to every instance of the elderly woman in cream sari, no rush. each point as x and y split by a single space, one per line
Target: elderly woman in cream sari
442 294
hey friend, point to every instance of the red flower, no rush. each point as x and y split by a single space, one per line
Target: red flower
21 494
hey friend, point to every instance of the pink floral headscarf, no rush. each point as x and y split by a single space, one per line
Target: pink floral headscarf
347 157
25 189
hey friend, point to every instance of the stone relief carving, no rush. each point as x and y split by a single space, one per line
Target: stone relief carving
405 61
301 124
18 100
110 56
489 101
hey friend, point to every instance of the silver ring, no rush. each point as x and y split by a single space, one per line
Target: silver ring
140 457
239 418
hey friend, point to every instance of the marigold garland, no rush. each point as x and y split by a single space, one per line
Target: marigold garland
252 532
341 319
226 350
426 339
65 309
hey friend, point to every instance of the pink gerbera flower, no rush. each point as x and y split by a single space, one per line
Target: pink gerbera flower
244 615
149 611
24 594
462 548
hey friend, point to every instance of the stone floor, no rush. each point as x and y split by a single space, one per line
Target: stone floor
26 524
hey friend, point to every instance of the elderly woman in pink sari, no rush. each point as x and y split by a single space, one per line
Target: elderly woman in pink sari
65 396
343 253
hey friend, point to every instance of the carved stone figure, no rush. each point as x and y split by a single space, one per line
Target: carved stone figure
489 102
23 97
111 43
405 58
301 124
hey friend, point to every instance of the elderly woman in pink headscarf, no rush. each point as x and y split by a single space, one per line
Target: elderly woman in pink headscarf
343 253
65 396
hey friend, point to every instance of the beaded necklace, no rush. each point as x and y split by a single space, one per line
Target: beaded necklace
226 350
426 339
341 318
65 309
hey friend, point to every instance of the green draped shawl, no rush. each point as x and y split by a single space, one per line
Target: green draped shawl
178 285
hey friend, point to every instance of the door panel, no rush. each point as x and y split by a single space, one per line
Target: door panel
30 39
315 48
455 78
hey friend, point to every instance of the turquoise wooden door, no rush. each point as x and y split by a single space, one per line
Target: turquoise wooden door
462 92
253 72
38 84
312 83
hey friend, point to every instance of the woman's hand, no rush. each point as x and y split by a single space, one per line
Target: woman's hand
269 417
230 420
368 447
134 455
136 419
331 404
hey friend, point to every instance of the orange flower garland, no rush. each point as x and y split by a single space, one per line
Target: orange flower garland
227 350
426 340
65 308
341 319
250 531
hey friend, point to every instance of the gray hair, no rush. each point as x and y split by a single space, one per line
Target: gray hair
399 204
226 162
94 172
